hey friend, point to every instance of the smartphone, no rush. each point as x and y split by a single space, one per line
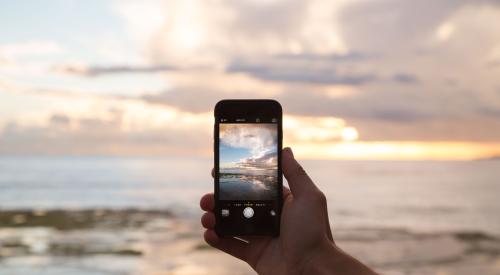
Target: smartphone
248 182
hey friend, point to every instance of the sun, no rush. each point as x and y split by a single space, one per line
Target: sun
349 134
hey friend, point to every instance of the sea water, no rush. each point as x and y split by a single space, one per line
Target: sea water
414 195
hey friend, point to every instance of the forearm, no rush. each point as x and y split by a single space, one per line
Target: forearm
332 260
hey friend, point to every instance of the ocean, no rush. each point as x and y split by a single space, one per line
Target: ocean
444 207
417 195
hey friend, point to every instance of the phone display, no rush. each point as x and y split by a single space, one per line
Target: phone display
248 179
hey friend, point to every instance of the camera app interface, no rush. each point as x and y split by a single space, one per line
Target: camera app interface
248 161
248 175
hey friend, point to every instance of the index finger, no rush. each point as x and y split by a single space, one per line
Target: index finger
207 202
297 178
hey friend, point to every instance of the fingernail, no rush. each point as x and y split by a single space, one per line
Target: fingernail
289 151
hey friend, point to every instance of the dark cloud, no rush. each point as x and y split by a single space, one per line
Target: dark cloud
334 57
491 111
311 102
300 73
416 113
110 70
371 105
405 78
59 119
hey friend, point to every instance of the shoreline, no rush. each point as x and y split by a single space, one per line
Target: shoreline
147 237
62 219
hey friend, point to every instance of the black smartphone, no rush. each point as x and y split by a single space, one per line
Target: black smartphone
248 180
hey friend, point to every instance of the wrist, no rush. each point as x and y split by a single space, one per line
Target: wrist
323 253
330 259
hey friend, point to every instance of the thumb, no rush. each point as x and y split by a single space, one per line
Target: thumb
297 178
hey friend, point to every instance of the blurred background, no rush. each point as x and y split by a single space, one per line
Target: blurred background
392 106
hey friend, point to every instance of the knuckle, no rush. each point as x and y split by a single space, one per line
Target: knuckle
298 171
321 198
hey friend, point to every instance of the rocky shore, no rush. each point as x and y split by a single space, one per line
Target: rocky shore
80 219
135 241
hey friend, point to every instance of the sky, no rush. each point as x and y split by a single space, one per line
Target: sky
357 79
249 146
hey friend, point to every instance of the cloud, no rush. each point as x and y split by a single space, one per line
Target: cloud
332 57
473 128
315 72
394 25
267 161
59 119
111 70
394 70
260 139
214 32
405 78
199 91
375 47
307 100
109 126
381 102
402 51
414 114
95 136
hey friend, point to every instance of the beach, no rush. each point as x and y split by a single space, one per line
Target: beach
103 215
247 187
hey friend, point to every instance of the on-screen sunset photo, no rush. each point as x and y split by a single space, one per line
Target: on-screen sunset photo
248 161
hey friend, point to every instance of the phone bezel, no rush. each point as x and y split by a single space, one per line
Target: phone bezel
235 108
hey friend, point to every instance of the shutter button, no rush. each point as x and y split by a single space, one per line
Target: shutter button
248 212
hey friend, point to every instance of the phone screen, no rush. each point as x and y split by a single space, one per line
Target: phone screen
248 168
248 175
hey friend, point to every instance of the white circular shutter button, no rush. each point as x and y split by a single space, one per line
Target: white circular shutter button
248 212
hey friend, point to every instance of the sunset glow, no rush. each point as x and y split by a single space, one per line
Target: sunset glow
142 79
349 134
399 150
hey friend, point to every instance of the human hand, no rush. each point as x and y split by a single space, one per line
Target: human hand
305 243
